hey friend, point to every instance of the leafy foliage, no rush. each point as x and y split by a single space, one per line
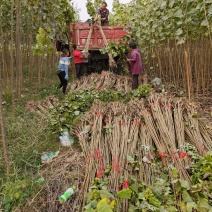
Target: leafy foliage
92 7
15 193
162 195
203 168
157 22
117 49
142 91
99 198
47 18
77 104
44 43
72 108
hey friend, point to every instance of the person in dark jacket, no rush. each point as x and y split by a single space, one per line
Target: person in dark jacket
103 12
135 64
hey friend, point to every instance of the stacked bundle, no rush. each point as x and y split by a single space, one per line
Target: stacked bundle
142 138
42 107
104 81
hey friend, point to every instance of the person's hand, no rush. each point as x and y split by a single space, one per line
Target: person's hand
66 77
128 60
103 19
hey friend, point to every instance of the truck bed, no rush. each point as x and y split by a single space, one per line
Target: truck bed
80 33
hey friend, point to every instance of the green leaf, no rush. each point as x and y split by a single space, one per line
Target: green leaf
179 13
125 193
203 204
186 197
76 106
165 18
190 206
178 186
135 187
91 205
131 208
103 207
196 188
130 159
76 113
184 184
146 205
135 93
181 41
171 209
182 205
105 194
175 172
154 201
136 168
162 209
89 196
210 10
179 32
141 195
163 5
204 23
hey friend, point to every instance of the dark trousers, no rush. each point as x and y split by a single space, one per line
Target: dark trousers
105 24
78 67
63 82
135 81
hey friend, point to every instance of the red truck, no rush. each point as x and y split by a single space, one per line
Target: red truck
80 35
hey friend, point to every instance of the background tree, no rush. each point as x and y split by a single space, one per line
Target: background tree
28 30
164 31
92 7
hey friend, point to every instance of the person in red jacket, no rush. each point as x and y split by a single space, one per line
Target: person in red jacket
78 61
135 64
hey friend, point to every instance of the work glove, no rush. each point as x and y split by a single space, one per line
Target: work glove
66 77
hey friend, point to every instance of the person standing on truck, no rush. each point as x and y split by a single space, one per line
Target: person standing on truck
103 12
136 67
78 61
62 70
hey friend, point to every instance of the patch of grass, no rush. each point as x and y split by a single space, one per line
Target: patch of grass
27 132
28 136
15 192
44 92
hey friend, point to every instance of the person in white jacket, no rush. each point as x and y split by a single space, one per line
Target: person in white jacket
62 70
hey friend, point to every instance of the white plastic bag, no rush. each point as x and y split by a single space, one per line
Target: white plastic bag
156 81
65 140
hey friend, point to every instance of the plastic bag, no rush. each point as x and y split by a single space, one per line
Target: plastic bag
65 139
47 157
156 81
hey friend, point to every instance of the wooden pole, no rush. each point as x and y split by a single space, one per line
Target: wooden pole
11 56
188 75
